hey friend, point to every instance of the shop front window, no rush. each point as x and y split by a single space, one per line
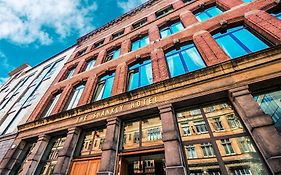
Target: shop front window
142 133
217 133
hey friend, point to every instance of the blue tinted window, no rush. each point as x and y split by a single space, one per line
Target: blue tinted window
239 41
140 75
208 13
140 42
112 54
247 0
75 97
90 64
104 87
171 29
183 60
277 14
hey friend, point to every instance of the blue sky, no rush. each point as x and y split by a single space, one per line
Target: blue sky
31 31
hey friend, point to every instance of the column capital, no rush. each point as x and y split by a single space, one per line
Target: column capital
166 108
239 91
113 121
73 130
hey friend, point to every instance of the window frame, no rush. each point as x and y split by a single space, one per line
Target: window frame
100 82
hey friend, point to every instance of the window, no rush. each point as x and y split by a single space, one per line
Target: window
98 44
218 124
51 104
208 13
81 52
69 73
90 64
163 12
117 34
140 42
104 87
140 75
184 59
239 41
207 149
140 23
270 104
170 29
112 54
75 97
191 153
53 69
241 171
277 13
186 1
226 143
247 0
233 122
92 142
150 129
204 144
50 156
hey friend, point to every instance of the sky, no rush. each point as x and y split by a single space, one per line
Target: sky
32 31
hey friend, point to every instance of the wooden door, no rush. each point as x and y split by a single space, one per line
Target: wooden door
85 167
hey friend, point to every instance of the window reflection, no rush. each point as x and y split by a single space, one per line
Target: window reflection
216 131
142 133
92 142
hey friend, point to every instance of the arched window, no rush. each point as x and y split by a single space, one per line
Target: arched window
104 87
239 41
75 97
139 75
184 59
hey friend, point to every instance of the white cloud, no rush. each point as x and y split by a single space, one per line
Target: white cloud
127 5
4 66
29 21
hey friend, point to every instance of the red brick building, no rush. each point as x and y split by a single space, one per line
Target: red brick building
172 87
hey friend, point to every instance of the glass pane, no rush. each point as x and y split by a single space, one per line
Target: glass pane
192 125
98 141
135 45
151 131
165 32
146 75
252 42
270 103
99 91
133 80
177 27
214 11
131 135
116 54
244 158
247 0
175 65
144 41
201 16
223 120
231 47
193 59
108 87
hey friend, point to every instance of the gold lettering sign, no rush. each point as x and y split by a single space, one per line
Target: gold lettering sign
120 108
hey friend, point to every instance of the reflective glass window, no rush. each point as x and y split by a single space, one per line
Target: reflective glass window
208 13
104 87
170 29
183 60
239 41
140 42
112 54
75 97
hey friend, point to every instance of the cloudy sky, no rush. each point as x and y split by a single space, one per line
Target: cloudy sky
34 30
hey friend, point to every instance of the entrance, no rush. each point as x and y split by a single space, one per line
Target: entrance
85 167
143 165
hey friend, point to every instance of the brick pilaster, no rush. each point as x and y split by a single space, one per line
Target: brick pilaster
100 57
63 99
265 24
125 47
119 84
188 18
154 34
160 70
211 52
260 125
79 67
228 4
88 91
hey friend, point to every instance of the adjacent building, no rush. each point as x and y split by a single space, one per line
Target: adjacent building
172 87
22 92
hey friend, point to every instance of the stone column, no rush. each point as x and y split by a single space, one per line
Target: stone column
8 162
260 126
65 155
188 18
109 148
119 84
36 154
170 137
160 70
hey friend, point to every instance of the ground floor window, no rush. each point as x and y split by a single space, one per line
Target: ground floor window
216 142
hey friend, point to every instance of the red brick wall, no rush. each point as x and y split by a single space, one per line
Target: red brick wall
253 14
